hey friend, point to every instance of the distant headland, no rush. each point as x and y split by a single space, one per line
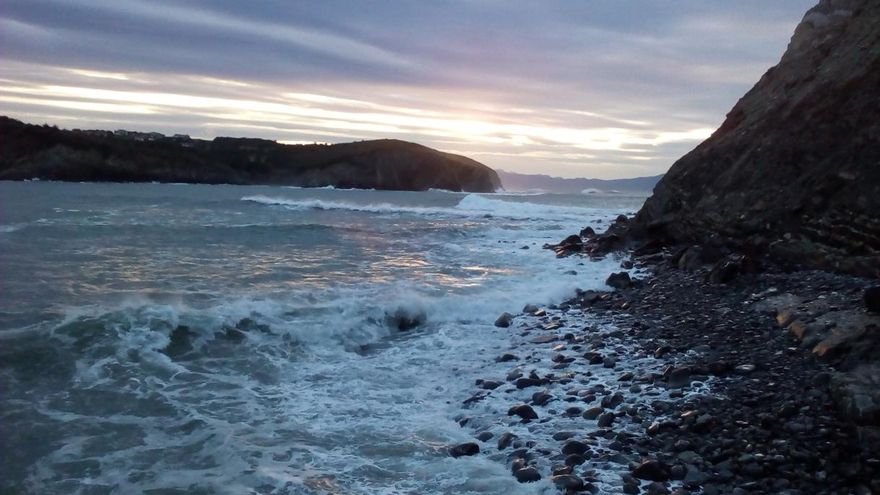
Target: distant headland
45 152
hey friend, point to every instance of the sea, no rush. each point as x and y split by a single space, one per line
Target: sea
201 339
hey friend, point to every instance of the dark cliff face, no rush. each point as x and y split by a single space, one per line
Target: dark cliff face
794 171
30 151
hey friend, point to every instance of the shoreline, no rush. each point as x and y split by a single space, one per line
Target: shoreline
673 384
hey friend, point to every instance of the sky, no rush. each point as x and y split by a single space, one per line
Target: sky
589 88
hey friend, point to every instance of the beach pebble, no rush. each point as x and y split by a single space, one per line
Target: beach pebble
745 369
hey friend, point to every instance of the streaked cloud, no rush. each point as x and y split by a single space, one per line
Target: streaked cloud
604 88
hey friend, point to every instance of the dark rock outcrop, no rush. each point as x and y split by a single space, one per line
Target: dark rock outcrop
31 151
794 170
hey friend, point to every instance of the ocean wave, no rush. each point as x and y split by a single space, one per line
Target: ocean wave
319 204
7 228
474 205
481 205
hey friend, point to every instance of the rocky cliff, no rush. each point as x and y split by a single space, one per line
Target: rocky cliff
30 151
794 170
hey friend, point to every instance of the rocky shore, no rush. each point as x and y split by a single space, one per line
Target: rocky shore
674 383
739 352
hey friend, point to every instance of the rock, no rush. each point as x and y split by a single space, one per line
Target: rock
857 394
872 299
527 475
679 377
620 280
569 245
522 383
506 357
677 472
612 401
524 411
180 342
592 413
484 436
490 384
745 369
541 398
505 440
588 232
404 319
573 460
662 351
464 449
504 320
656 488
563 435
691 259
530 309
605 420
575 447
233 335
568 482
725 270
594 358
651 470
572 240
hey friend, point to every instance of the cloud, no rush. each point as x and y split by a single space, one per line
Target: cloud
603 88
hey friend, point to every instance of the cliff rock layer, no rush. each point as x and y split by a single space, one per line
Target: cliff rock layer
794 170
30 151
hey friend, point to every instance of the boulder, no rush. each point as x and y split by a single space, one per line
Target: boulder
530 309
464 449
568 482
527 475
575 447
651 470
405 319
619 280
524 411
505 440
504 320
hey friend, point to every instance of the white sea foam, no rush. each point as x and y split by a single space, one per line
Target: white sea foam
470 205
